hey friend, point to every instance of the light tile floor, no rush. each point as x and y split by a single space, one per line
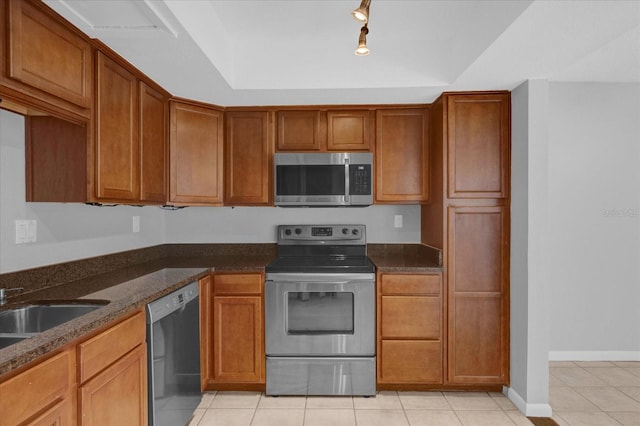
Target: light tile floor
581 394
595 393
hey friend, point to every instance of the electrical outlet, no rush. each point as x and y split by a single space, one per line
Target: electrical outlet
136 223
397 221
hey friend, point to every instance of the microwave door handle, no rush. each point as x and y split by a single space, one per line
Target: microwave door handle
346 180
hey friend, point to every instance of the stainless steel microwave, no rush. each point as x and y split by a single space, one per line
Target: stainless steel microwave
323 179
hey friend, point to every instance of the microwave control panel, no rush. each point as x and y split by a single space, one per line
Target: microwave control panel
360 179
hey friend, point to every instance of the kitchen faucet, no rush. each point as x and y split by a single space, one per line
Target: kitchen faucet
3 294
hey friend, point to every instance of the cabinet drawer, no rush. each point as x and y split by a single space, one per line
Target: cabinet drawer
28 393
237 284
410 284
410 317
99 352
413 361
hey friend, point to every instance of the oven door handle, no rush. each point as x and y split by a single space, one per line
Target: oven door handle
319 278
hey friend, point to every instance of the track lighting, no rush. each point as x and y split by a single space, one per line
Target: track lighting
362 49
361 14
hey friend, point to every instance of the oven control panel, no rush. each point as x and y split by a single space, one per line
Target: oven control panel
322 234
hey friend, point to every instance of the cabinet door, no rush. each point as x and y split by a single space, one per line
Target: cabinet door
349 130
118 395
299 131
153 146
248 155
238 352
46 54
478 127
402 158
410 362
117 155
478 295
45 390
196 146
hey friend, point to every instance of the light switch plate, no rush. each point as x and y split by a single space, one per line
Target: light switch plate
397 221
26 231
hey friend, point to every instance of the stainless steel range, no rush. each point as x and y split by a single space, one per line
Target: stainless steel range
320 312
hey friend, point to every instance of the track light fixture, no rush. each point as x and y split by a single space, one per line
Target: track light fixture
362 49
361 14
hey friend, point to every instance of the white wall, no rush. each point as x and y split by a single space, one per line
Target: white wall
258 224
594 204
529 388
75 231
64 231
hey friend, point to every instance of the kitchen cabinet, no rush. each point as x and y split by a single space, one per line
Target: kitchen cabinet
478 294
299 130
325 130
117 151
478 143
153 144
47 63
468 219
130 144
402 156
41 395
248 154
233 356
112 371
350 130
410 330
195 153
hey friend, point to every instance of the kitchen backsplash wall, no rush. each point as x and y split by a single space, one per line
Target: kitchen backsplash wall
258 224
75 231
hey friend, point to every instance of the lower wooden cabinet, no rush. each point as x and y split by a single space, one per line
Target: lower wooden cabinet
41 395
233 332
410 337
118 395
113 375
478 276
98 381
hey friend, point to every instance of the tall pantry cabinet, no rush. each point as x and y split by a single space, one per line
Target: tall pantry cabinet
468 218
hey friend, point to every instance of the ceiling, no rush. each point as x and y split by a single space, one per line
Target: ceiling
271 52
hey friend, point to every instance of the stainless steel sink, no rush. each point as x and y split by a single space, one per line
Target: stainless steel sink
9 340
20 323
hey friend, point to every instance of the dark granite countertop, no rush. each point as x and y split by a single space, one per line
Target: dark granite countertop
129 280
406 258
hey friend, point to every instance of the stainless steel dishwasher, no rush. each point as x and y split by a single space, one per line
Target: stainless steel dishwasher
173 357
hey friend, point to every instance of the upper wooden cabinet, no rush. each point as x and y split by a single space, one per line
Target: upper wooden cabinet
325 130
478 145
248 158
117 149
402 156
299 131
46 61
196 154
350 130
153 145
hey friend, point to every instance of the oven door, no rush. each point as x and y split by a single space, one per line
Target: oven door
320 314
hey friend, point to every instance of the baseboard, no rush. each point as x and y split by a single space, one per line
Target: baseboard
594 355
529 410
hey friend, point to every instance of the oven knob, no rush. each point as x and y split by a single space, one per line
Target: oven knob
354 232
298 231
345 231
287 232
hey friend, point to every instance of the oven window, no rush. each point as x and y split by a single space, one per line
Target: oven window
310 180
319 312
